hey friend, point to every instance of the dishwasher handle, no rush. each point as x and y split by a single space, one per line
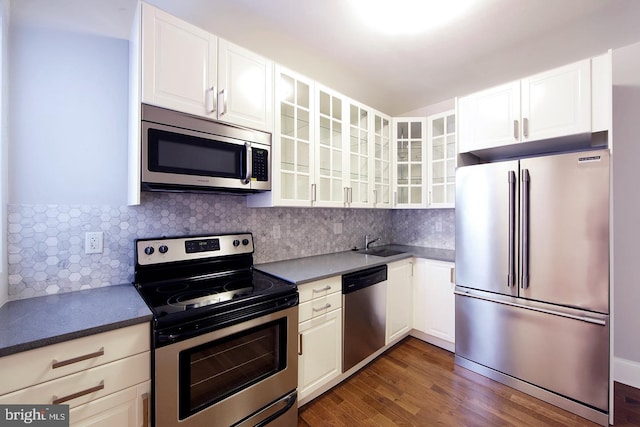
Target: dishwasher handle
363 278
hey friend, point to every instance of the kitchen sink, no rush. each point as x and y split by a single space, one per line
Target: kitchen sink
383 252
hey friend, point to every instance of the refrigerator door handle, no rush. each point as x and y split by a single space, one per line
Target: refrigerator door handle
512 229
537 309
526 184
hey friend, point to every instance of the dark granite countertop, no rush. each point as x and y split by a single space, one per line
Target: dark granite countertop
309 269
36 322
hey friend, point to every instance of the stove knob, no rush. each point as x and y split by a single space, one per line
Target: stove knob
245 242
148 250
163 249
236 243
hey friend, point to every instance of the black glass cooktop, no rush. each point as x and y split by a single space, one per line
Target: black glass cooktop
176 296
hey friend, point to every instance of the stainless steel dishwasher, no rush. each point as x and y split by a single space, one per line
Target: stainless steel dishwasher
364 317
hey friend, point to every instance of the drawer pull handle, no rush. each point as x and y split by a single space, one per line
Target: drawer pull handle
55 364
323 308
145 410
58 400
300 344
326 288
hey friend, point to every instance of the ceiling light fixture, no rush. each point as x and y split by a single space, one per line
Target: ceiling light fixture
409 16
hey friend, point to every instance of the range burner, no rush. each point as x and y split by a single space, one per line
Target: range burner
183 278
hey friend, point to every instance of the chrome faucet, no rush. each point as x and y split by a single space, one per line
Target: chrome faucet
367 242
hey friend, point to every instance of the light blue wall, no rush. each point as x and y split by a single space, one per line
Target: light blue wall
68 117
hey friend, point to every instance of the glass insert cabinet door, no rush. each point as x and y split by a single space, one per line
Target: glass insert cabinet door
442 159
358 192
410 179
382 161
295 132
330 145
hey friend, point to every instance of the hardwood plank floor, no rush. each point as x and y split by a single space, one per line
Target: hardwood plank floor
418 384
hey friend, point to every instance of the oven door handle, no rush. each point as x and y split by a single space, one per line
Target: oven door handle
249 172
288 401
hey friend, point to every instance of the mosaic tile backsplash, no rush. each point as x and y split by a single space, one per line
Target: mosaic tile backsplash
46 242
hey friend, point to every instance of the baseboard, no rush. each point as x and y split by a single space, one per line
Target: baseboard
449 346
626 372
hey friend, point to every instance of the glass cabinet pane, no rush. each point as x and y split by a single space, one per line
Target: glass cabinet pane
416 130
325 104
402 131
438 127
303 157
302 95
286 88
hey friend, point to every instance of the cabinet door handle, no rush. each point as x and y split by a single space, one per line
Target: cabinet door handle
57 400
453 275
313 192
55 364
222 98
145 410
326 306
516 130
375 197
299 344
525 127
326 288
211 100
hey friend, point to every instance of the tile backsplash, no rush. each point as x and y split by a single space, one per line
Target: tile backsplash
46 242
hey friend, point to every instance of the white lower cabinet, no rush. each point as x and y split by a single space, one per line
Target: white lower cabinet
320 351
126 408
434 303
319 334
104 378
399 296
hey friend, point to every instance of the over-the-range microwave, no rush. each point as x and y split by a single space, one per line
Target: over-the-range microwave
186 153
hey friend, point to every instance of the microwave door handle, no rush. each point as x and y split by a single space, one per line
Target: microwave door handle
247 178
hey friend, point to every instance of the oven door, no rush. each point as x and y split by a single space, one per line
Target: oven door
244 373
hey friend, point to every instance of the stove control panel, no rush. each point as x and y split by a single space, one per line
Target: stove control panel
171 249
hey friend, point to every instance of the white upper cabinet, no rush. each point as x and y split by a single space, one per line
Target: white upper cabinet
179 64
552 104
557 102
331 189
245 87
359 189
410 143
187 69
489 118
442 160
293 146
382 161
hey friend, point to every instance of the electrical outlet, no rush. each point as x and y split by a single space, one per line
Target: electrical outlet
337 228
93 242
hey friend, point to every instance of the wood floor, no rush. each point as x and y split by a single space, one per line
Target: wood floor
417 384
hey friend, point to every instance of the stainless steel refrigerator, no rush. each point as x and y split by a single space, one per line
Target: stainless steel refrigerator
532 276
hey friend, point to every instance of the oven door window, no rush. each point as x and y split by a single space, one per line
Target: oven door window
190 155
213 371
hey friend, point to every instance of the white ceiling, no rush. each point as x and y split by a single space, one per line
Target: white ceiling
496 41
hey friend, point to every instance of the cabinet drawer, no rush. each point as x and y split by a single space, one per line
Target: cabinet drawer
319 306
85 386
36 366
319 288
